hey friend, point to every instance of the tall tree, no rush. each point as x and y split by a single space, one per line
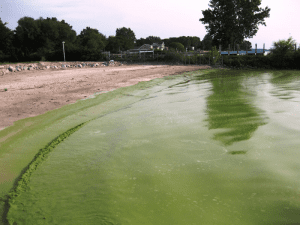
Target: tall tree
113 44
231 21
27 32
207 42
6 37
177 46
153 39
283 47
126 37
92 39
42 36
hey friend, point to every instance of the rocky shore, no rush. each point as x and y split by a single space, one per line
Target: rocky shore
9 68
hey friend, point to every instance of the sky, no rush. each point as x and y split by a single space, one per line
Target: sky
162 18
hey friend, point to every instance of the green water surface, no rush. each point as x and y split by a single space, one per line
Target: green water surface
214 148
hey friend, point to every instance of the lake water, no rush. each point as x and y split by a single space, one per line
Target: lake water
215 148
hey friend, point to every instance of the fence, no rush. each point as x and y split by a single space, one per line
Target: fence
170 57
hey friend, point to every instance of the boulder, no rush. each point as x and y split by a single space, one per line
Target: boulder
79 65
11 69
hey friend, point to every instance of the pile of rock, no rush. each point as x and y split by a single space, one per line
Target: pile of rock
41 66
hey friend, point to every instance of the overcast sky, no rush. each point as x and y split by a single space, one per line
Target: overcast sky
163 18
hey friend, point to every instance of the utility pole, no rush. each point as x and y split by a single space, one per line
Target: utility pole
64 51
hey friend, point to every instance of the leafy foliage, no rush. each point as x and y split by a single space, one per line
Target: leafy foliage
177 46
148 40
186 41
126 38
283 47
207 42
214 55
231 21
113 44
246 46
6 38
91 39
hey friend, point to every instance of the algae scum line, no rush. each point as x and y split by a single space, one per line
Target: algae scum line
209 147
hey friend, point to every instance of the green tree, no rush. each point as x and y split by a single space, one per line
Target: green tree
126 38
231 21
153 39
214 55
140 42
195 42
246 45
148 40
207 42
92 39
113 44
177 46
6 38
283 47
43 36
27 32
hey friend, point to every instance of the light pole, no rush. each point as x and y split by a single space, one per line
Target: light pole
64 51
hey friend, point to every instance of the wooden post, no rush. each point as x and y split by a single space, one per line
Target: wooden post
264 49
255 49
237 46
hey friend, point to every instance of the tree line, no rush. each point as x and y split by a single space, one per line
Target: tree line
41 39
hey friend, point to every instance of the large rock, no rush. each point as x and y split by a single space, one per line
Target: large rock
11 69
79 65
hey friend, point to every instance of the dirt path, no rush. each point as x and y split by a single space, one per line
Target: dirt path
31 93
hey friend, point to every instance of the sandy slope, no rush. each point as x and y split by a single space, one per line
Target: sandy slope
31 93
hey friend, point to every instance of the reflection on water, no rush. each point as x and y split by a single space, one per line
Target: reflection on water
230 109
218 148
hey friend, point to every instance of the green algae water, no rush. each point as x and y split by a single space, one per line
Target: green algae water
215 148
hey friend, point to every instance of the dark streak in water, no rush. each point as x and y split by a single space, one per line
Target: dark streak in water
237 152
